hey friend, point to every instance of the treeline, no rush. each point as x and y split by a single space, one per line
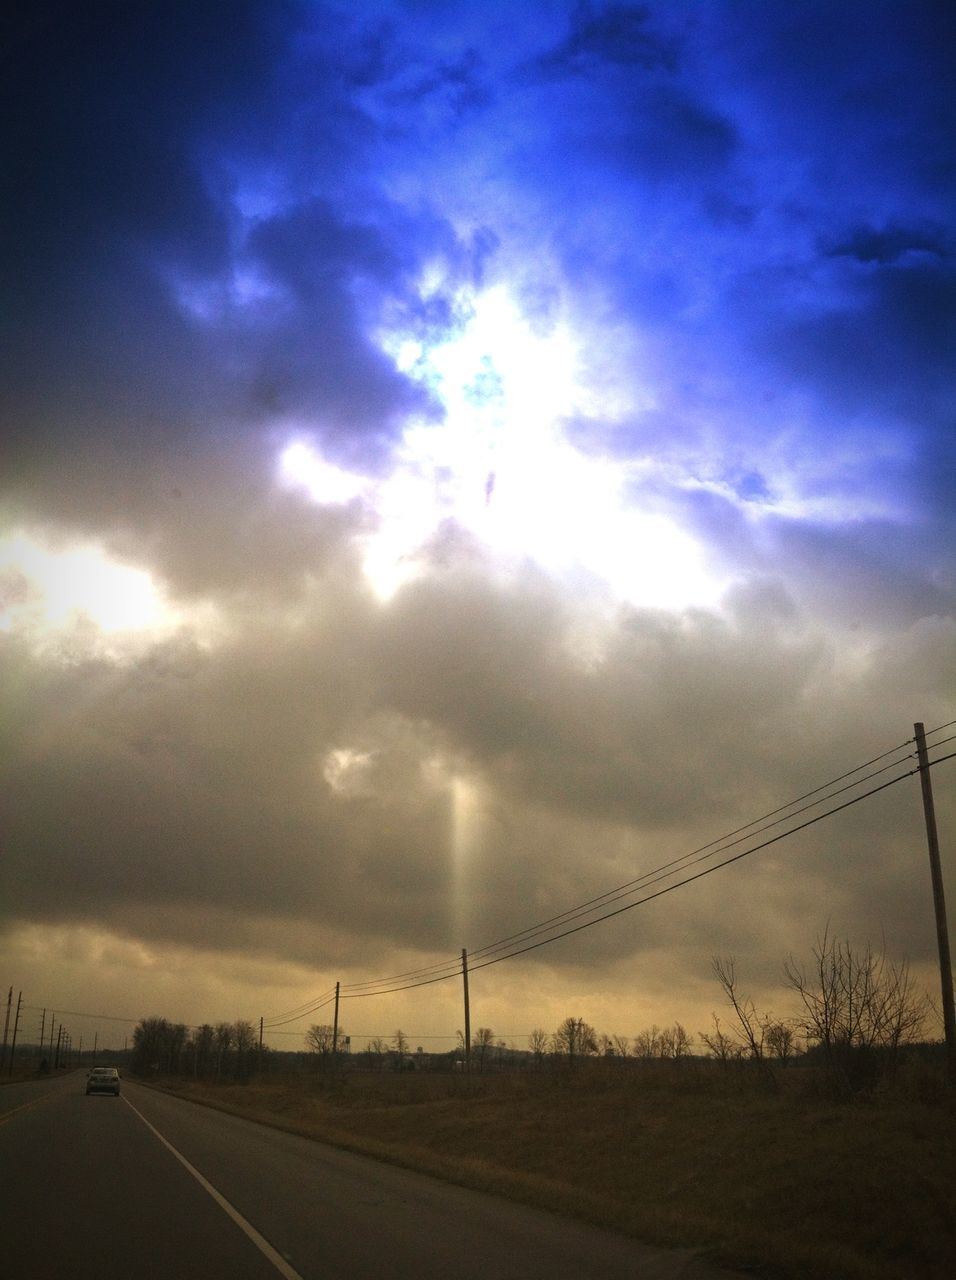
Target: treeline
226 1051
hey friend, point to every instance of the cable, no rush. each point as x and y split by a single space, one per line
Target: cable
304 1006
689 859
660 893
72 1013
282 1022
700 874
482 957
451 968
412 973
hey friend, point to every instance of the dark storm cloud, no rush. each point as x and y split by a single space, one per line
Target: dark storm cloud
675 136
616 94
104 106
459 85
881 355
127 127
214 768
890 243
619 34
872 574
310 344
129 347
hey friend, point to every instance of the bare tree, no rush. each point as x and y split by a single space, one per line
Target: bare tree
575 1038
779 1040
858 1007
245 1040
400 1046
378 1050
157 1045
751 1027
318 1041
647 1043
482 1041
722 1046
622 1045
203 1041
225 1038
538 1044
680 1041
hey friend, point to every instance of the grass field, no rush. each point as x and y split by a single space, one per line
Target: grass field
771 1180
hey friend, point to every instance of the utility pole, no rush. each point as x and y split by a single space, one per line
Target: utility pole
56 1056
939 903
464 978
42 1031
16 1023
335 1024
6 1028
259 1057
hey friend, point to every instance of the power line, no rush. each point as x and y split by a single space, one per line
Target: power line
701 854
305 1007
443 970
669 888
412 973
282 1022
654 876
700 874
72 1013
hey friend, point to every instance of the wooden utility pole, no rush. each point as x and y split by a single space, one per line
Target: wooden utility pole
939 902
335 1024
6 1028
16 1023
464 978
259 1056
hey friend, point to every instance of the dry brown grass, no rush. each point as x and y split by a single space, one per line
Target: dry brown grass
775 1180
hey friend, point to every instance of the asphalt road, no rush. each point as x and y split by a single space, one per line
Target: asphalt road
147 1185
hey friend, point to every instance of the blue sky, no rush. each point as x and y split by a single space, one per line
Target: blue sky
455 458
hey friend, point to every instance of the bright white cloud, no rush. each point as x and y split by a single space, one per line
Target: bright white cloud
501 466
328 485
58 587
347 771
53 590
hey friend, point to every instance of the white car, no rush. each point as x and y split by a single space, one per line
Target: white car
103 1080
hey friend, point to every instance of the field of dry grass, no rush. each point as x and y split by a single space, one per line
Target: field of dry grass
771 1180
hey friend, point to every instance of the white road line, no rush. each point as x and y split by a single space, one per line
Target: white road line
261 1243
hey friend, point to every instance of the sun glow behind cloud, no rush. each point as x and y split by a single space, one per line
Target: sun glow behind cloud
81 591
500 465
58 587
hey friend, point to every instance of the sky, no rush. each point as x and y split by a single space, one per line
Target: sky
459 460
